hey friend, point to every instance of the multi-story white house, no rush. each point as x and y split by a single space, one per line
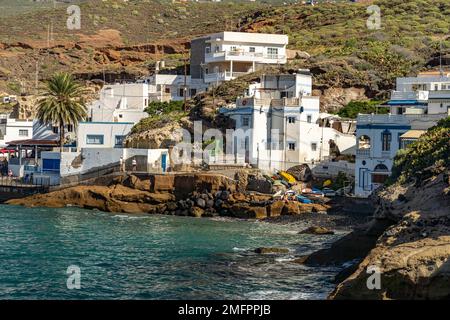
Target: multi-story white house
120 103
277 125
224 56
111 117
416 105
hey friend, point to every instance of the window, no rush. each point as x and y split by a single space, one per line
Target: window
272 53
181 92
120 115
386 138
436 87
309 118
23 133
291 119
314 146
167 89
217 49
69 128
119 141
233 48
94 139
252 49
55 130
245 121
291 146
208 50
193 92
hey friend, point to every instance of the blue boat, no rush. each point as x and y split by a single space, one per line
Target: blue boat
303 199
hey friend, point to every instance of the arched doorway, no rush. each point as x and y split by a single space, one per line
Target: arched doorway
380 174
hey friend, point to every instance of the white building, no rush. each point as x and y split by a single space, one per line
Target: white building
172 87
120 103
277 125
416 105
111 117
18 129
226 55
102 134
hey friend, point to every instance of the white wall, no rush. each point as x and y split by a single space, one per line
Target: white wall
108 130
101 157
15 127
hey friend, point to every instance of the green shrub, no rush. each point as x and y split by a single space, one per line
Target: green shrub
353 108
157 108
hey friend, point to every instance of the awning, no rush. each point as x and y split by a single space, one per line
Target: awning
7 151
33 143
406 103
413 134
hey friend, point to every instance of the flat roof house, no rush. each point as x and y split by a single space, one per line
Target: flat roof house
277 125
415 106
226 55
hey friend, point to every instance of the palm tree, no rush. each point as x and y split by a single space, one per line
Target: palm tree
62 104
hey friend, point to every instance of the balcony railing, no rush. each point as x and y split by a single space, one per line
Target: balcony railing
409 95
223 76
241 55
396 118
363 153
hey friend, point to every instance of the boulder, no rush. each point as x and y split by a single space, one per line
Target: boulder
201 202
267 250
196 212
317 230
301 172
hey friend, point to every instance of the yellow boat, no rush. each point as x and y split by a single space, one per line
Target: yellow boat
327 183
288 177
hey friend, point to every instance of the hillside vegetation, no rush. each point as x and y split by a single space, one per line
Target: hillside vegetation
429 155
345 52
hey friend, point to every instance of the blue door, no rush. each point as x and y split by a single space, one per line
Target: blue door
163 162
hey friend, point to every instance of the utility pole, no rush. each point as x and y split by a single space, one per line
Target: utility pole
185 85
36 77
440 59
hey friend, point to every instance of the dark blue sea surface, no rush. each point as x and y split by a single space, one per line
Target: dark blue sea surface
153 257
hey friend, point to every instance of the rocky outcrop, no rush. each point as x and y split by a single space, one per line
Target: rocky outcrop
317 231
264 250
196 194
412 254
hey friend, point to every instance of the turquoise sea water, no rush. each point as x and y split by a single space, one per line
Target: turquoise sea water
152 257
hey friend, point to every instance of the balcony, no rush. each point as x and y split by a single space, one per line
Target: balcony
363 153
222 76
410 95
440 94
244 56
404 119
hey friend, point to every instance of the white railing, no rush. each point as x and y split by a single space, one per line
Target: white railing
223 76
398 118
409 95
242 54
439 94
363 153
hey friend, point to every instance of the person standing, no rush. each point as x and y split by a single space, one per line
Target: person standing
134 165
121 164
